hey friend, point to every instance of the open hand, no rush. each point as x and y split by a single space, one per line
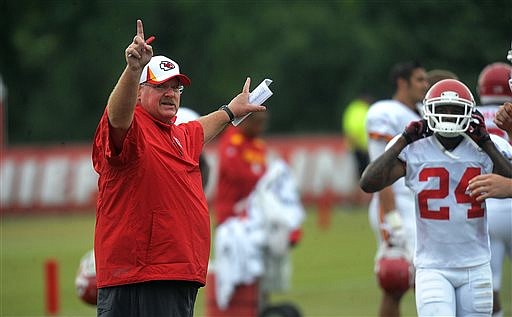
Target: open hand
240 105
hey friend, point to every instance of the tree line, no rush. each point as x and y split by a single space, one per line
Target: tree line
60 59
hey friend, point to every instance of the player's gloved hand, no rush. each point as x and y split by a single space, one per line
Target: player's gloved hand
394 228
477 130
416 130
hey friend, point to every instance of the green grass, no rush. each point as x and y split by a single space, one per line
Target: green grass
332 275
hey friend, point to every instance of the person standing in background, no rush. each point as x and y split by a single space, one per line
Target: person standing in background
354 129
152 235
242 162
435 75
391 210
258 216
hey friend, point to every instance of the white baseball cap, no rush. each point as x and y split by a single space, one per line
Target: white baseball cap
160 69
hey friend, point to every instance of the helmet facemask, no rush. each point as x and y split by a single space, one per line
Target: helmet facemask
448 124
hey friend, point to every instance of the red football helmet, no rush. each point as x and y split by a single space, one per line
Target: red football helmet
395 272
448 92
493 84
85 281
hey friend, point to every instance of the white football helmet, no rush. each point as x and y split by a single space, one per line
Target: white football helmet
448 92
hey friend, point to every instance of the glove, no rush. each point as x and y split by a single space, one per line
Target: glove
477 130
416 130
393 226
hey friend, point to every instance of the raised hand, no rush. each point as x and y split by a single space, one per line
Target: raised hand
477 130
138 53
416 130
240 105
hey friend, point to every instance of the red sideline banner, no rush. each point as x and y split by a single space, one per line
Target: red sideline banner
61 178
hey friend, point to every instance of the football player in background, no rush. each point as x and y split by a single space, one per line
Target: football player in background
391 210
494 90
242 162
435 75
436 157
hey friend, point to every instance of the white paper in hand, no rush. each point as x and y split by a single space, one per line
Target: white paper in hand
258 96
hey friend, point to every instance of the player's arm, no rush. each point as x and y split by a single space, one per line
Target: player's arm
122 100
239 106
385 170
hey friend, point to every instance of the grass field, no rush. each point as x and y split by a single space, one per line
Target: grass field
332 267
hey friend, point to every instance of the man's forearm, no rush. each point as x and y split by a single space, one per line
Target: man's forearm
122 100
213 124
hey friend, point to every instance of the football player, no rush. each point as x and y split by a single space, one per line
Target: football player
436 157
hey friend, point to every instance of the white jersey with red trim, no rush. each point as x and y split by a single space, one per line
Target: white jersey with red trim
489 113
451 227
384 120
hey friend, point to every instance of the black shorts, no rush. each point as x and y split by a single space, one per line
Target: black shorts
155 299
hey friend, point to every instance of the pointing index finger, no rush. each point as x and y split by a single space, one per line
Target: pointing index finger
247 85
140 29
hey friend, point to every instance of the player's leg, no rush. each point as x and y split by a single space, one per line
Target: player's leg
474 298
435 295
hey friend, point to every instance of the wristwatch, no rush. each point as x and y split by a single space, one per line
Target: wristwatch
229 112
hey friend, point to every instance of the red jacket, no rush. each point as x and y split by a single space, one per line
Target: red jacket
242 162
152 219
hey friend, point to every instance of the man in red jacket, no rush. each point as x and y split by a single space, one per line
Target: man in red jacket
152 237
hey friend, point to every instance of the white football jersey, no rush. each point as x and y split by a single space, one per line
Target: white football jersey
384 120
451 226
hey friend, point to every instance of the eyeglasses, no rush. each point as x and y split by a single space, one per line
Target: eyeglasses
163 87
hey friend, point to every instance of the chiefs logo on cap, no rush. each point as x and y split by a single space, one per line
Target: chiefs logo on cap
166 65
